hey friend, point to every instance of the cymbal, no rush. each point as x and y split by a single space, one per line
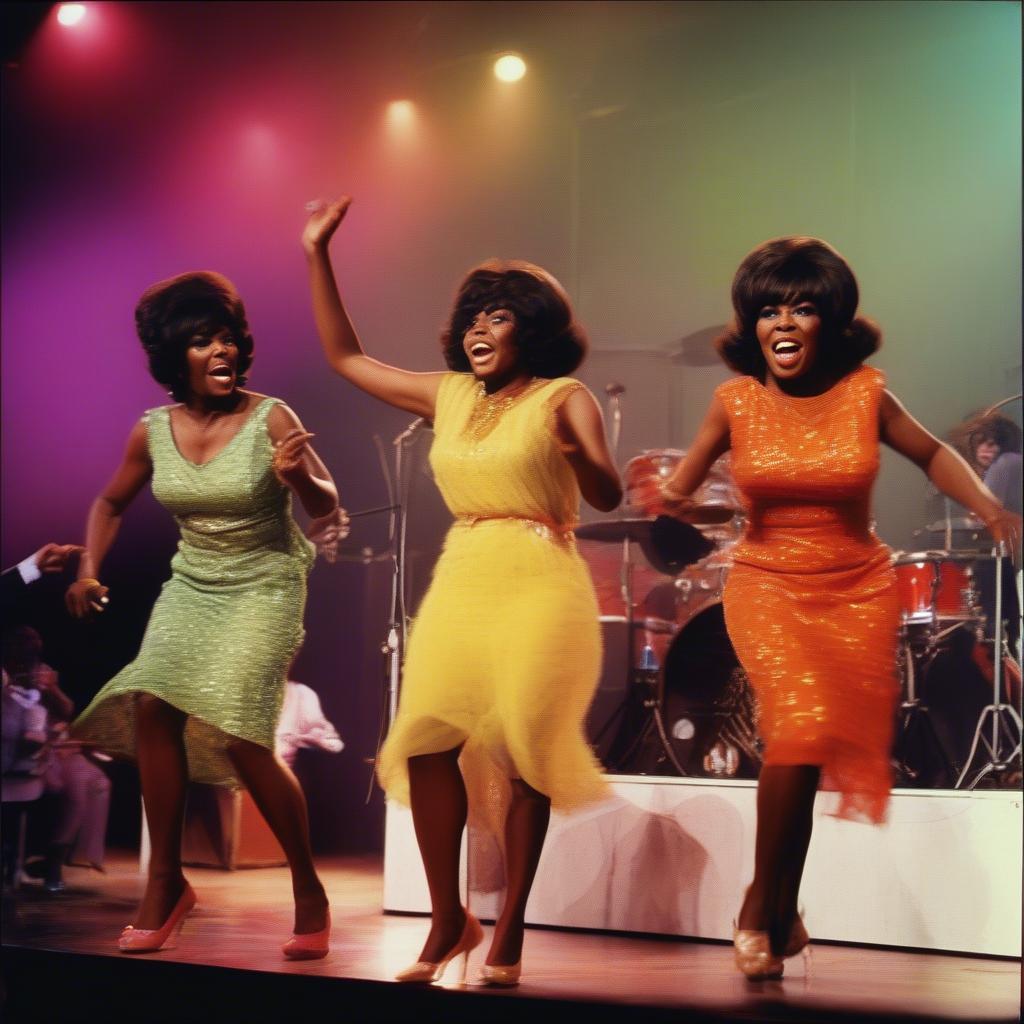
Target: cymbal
698 349
612 530
668 544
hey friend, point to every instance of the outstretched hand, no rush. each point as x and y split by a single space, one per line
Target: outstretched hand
328 531
1005 527
652 498
53 557
322 224
84 598
289 453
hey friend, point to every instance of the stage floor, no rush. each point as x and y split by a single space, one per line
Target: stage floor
243 917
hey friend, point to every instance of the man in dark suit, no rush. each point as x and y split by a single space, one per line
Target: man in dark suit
13 582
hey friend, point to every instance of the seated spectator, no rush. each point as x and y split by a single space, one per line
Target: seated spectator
38 744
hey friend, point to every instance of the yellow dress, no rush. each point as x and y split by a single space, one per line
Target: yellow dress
505 651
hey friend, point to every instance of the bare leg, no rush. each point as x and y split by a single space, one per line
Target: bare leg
525 829
278 795
163 771
439 807
785 816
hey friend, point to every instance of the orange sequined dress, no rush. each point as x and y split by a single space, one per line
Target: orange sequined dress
811 603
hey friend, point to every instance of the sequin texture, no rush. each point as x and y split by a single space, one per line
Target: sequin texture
229 620
505 649
811 603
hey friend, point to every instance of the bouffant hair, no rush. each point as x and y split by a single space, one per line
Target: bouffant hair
550 341
172 313
788 271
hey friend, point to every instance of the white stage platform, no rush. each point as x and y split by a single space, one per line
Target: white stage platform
673 856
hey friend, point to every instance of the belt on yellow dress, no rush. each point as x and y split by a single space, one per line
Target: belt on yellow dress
548 529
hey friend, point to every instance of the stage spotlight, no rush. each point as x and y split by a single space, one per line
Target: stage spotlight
510 67
70 14
401 113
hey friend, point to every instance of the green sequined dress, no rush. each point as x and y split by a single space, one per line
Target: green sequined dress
229 620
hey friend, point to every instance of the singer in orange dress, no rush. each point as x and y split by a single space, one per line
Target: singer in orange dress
810 603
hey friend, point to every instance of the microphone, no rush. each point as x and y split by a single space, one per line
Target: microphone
614 390
410 431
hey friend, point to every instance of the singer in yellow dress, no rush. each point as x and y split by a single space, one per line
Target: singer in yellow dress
505 649
504 652
810 603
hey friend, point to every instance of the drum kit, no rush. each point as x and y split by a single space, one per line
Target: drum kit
673 699
959 607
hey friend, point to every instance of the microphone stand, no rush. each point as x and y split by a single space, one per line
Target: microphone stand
398 619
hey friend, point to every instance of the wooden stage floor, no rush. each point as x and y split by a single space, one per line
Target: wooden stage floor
60 963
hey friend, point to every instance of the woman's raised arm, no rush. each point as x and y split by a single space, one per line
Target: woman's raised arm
414 392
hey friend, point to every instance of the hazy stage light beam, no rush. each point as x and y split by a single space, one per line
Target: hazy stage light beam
510 67
70 14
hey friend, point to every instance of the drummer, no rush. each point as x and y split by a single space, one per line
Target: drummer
991 446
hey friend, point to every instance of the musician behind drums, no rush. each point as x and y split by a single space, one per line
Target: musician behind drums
990 444
811 603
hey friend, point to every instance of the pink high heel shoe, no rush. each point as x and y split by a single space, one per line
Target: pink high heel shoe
149 940
310 945
425 971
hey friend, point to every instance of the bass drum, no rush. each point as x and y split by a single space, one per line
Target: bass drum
707 705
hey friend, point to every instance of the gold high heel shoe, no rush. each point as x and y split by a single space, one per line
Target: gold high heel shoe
798 939
753 954
425 971
799 942
499 975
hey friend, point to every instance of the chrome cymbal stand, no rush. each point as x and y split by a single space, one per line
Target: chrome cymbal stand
916 738
641 708
1003 742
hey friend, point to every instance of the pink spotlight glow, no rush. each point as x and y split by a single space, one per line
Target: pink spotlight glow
70 14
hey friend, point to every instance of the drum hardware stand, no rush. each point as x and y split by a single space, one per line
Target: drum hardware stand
915 719
1005 722
646 680
643 689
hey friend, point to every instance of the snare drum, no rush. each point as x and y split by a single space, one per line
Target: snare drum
936 587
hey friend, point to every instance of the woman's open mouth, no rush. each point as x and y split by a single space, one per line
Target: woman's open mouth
787 352
480 352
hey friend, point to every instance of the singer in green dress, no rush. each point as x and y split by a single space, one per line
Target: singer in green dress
202 698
